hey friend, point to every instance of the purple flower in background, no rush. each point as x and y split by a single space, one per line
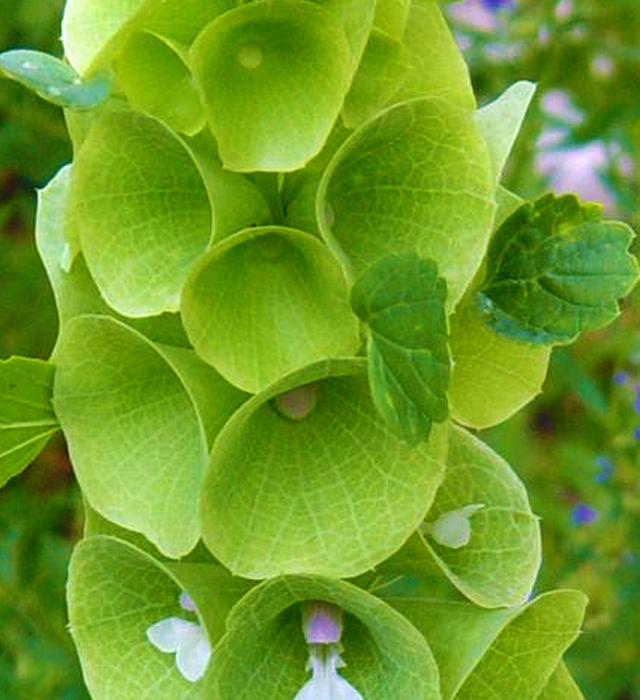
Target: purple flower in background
636 433
606 465
636 403
582 514
620 378
569 167
497 4
479 15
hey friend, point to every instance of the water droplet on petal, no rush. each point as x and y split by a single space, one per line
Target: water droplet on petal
297 403
250 56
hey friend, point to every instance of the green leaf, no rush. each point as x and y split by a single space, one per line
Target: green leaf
514 651
93 30
500 121
74 290
115 593
402 301
264 652
554 270
157 82
142 212
492 376
417 177
273 77
323 487
53 79
137 431
499 564
27 421
561 686
438 69
267 301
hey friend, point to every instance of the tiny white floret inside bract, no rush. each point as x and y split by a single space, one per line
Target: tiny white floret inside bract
326 683
187 640
453 528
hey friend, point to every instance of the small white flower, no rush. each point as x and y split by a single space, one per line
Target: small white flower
322 626
187 640
326 683
453 528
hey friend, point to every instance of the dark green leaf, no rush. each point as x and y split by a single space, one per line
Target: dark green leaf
554 270
402 300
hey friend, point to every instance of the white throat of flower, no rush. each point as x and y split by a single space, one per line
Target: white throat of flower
322 626
187 640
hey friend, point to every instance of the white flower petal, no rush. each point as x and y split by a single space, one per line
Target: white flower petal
188 640
163 634
326 683
193 655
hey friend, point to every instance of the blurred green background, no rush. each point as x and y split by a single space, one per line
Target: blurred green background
576 446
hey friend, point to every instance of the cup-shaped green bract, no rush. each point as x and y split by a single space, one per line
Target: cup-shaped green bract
273 76
92 30
267 301
417 177
437 67
264 651
116 592
180 21
142 211
156 81
515 651
499 564
73 287
492 376
315 484
138 418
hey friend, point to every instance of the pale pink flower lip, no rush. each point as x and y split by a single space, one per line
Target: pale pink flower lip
322 623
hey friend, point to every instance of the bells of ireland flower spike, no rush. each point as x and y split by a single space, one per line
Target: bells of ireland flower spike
322 626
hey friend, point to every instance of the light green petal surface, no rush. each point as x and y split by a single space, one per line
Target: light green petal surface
157 82
417 177
499 565
115 593
92 30
333 493
501 119
137 435
272 77
142 212
74 290
265 302
492 376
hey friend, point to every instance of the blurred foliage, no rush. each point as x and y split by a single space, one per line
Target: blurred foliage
39 511
39 522
576 446
33 145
